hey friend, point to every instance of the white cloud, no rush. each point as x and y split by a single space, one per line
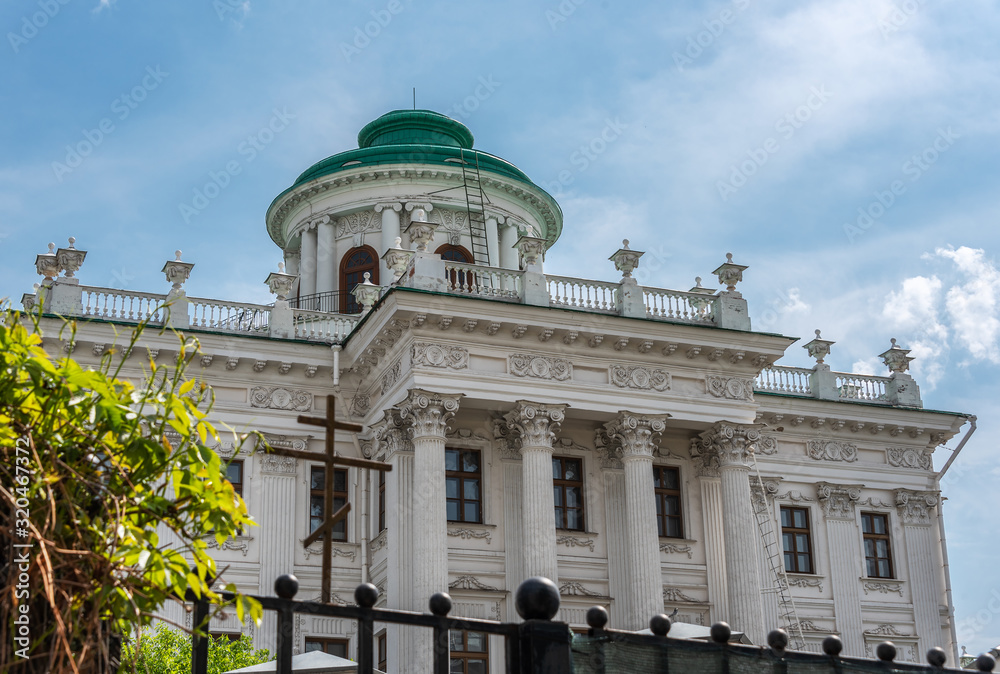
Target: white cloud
104 4
973 305
915 310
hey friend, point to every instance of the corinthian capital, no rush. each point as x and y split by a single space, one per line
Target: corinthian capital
428 412
727 444
390 434
536 423
915 506
838 500
635 435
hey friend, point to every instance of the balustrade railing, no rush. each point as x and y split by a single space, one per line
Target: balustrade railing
779 379
577 293
675 305
861 387
225 316
122 305
491 282
319 326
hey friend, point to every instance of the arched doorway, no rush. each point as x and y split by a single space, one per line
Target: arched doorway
457 279
356 262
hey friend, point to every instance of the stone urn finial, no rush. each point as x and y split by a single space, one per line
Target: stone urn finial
47 265
730 273
626 259
420 231
818 348
532 251
280 283
397 260
702 301
177 272
70 259
896 358
366 293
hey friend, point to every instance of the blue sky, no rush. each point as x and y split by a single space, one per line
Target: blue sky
844 149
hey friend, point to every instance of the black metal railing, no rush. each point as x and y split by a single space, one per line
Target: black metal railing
540 645
332 302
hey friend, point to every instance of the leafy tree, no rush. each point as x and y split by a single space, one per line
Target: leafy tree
93 468
167 651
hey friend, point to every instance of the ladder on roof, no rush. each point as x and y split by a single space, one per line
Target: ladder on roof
775 559
475 201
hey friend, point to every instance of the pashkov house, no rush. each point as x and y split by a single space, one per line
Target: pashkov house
642 447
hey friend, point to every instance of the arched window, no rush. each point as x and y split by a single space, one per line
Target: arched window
459 280
352 272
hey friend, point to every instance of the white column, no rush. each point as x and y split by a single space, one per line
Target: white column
536 424
733 445
307 264
277 533
390 435
513 536
846 566
292 262
326 257
390 230
635 436
429 414
493 238
619 575
715 546
509 257
763 506
923 565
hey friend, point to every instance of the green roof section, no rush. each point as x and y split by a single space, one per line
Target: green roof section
415 127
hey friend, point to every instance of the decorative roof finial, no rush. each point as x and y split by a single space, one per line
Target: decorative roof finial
625 244
281 267
819 349
398 242
177 256
72 240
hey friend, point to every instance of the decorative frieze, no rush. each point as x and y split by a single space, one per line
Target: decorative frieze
574 542
886 630
439 355
240 543
317 550
915 506
909 457
800 581
539 367
360 404
838 500
280 398
675 595
882 586
359 223
730 388
378 542
639 377
574 589
822 449
471 583
278 465
767 445
471 534
390 376
675 549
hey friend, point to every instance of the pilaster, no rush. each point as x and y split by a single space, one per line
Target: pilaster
839 502
277 535
916 512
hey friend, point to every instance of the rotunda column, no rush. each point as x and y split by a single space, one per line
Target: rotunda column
428 414
536 424
509 256
733 446
390 230
493 223
326 256
634 437
307 264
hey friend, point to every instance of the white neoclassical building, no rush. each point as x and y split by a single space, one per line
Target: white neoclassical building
639 446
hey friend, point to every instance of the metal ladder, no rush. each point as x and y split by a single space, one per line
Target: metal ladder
775 558
475 207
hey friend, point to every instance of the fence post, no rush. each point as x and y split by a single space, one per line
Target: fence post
199 649
545 645
440 604
285 587
597 618
659 625
366 595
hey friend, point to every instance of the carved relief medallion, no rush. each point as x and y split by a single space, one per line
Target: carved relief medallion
280 398
832 450
539 367
638 377
732 388
438 355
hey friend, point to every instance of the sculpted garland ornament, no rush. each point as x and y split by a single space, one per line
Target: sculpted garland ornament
909 457
832 450
638 377
439 355
280 398
540 367
732 388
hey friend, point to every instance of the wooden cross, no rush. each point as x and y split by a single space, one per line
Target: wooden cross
330 460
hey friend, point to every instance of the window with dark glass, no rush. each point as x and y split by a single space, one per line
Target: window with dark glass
459 278
464 485
234 473
469 652
336 647
382 646
317 493
381 500
667 487
795 540
567 487
878 553
356 262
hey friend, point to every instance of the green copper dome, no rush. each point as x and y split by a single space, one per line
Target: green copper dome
415 127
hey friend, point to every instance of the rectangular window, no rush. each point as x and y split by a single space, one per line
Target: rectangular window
234 473
317 487
469 652
667 486
878 555
336 647
464 480
381 502
567 487
795 540
382 647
